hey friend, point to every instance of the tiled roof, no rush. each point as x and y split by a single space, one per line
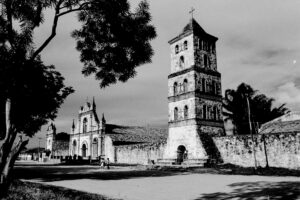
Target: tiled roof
62 136
281 127
121 135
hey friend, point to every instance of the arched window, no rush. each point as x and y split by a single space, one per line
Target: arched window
218 85
206 61
185 85
185 44
213 87
84 124
215 113
204 111
176 49
175 114
175 88
181 61
201 45
203 85
186 112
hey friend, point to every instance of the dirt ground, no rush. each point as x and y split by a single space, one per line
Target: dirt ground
137 184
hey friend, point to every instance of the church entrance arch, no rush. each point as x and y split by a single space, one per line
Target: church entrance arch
181 154
83 149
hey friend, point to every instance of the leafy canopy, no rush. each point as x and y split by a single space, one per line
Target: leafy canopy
36 90
112 40
262 109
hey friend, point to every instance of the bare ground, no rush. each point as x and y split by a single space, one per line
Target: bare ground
139 184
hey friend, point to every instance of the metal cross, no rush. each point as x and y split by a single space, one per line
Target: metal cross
192 12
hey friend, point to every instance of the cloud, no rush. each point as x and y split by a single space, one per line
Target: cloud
288 93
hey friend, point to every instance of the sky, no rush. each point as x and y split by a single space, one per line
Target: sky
259 44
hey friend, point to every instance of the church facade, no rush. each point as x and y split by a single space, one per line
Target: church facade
195 99
87 137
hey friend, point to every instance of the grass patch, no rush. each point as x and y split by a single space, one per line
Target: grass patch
20 190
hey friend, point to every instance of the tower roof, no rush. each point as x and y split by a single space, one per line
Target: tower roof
192 27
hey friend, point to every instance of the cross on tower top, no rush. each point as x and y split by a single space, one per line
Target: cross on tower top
192 12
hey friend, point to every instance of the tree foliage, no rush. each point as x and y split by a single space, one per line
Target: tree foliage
262 108
113 41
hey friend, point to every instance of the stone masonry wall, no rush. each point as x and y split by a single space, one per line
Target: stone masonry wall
138 154
282 150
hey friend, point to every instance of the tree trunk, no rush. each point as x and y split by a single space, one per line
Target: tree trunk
8 153
7 167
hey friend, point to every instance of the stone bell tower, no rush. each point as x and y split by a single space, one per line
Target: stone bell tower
194 96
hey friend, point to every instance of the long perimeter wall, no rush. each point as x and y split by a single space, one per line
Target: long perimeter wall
138 154
279 150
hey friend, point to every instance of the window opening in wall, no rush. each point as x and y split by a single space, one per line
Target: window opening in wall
175 113
186 112
185 85
176 49
215 113
181 61
213 87
175 88
185 44
206 61
84 124
203 85
204 111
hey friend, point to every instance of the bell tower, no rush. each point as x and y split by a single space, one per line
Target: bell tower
194 96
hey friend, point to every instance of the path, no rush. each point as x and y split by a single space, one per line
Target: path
130 185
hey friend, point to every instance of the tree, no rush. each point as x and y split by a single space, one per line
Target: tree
113 41
261 106
31 95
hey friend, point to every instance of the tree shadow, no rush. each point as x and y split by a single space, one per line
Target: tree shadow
258 190
49 174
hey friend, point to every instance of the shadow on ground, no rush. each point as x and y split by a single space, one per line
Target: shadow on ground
48 174
258 190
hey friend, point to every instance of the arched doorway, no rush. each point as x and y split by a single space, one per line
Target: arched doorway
74 147
83 150
95 148
181 151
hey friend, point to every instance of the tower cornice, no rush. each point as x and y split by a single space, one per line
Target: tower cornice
197 69
195 94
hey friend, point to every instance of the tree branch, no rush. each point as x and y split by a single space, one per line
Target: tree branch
73 10
54 25
53 32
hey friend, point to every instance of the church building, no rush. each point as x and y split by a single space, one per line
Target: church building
195 98
91 138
